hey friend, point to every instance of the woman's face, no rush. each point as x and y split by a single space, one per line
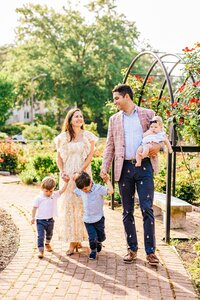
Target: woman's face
77 119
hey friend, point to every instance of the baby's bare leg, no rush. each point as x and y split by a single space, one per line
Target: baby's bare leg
146 149
142 152
139 156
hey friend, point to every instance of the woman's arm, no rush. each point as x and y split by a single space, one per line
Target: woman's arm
88 158
59 162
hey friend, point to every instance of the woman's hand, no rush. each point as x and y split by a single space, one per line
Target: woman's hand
65 178
63 175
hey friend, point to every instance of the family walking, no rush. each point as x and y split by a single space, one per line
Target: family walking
80 201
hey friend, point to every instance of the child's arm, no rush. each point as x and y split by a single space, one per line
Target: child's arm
167 143
109 186
33 215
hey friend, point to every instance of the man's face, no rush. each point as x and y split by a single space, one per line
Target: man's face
119 101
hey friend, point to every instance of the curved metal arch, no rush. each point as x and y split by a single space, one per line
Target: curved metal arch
170 72
158 60
174 66
167 75
163 86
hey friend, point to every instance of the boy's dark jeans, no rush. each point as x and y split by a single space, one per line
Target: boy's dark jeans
44 226
96 233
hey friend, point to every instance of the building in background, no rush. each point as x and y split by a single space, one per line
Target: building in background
23 114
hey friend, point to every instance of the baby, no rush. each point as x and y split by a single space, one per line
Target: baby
154 135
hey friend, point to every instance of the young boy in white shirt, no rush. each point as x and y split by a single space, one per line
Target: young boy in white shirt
46 207
92 196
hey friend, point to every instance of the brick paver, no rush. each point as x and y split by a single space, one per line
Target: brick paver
58 276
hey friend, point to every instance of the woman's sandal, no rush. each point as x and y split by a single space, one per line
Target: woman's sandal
71 250
79 245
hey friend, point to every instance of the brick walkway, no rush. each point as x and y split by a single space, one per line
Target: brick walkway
60 277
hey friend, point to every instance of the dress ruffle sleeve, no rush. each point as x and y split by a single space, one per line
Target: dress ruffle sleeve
61 145
90 136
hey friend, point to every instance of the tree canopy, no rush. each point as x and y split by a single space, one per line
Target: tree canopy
82 60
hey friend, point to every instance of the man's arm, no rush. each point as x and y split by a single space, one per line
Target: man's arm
108 153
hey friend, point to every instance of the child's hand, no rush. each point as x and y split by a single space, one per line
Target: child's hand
33 221
65 178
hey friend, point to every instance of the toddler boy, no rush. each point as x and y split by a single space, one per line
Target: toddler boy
46 207
92 197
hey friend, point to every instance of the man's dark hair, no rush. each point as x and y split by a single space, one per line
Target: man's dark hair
123 89
82 180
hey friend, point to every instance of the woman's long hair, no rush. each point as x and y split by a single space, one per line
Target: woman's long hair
67 126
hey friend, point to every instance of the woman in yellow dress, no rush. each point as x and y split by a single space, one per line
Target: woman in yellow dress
75 148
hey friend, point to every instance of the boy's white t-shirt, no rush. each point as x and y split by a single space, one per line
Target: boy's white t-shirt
46 206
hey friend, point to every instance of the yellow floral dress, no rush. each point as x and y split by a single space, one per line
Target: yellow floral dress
70 207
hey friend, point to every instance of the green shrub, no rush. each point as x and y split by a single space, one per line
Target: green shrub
3 135
45 119
197 248
194 268
117 196
28 176
40 132
186 190
13 129
96 168
92 127
44 165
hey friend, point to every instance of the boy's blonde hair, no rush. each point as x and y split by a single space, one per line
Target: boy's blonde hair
158 120
48 183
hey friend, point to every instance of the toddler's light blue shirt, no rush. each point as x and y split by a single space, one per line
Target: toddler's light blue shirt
93 202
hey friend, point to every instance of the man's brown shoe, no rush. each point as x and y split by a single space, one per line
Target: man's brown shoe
41 254
48 247
152 259
130 257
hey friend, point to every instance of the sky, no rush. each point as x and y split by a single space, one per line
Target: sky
168 26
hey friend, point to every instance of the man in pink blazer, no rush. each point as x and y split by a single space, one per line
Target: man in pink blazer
125 133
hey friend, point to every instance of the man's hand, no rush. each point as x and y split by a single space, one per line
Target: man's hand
154 150
104 175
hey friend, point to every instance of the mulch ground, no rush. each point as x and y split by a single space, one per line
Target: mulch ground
9 240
